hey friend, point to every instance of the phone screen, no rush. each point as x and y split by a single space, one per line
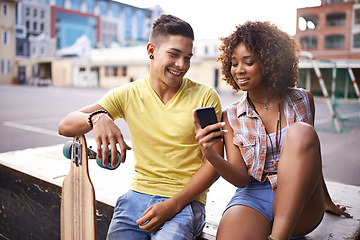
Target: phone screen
207 116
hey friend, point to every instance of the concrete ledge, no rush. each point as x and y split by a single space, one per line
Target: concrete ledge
48 164
332 226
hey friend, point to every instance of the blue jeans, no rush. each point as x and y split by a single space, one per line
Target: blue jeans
187 224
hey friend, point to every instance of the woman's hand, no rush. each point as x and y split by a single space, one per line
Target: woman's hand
336 209
206 138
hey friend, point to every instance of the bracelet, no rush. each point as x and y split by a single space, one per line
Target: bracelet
98 117
271 238
93 114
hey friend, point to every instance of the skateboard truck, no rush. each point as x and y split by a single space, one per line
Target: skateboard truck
74 148
76 151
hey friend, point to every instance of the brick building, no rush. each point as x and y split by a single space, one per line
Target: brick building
330 31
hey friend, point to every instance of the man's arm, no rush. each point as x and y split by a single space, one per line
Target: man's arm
105 131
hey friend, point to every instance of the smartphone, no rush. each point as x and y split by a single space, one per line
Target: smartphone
207 116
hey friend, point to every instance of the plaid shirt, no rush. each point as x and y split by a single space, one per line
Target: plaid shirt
250 134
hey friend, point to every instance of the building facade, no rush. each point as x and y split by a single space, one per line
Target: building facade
112 67
49 29
104 22
330 31
7 41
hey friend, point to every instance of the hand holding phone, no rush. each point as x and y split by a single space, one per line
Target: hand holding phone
207 116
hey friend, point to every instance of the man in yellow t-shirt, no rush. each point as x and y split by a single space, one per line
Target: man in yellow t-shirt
168 191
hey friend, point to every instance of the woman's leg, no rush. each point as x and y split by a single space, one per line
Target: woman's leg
242 222
299 203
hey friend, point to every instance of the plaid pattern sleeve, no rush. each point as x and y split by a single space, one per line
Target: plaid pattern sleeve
249 136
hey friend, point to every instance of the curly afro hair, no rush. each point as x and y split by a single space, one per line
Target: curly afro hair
276 52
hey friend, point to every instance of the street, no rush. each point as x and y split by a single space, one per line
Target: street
30 116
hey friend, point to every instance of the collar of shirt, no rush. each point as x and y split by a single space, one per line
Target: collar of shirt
244 106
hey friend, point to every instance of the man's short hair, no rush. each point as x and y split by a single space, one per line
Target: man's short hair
167 25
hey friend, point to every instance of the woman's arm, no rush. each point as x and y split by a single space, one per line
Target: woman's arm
234 170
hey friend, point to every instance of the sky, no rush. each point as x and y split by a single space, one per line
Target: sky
212 19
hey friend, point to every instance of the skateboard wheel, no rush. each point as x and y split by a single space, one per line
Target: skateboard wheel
67 148
99 162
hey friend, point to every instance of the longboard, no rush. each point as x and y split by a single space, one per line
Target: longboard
78 214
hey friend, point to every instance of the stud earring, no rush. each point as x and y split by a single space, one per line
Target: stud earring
151 56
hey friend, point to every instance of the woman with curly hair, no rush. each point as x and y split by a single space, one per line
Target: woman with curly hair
273 152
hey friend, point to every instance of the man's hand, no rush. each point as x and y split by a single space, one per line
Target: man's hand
107 133
156 215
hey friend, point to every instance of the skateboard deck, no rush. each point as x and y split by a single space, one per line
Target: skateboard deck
78 214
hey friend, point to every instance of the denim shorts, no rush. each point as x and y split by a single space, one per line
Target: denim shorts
260 197
187 224
256 195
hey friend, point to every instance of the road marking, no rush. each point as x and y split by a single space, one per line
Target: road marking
24 125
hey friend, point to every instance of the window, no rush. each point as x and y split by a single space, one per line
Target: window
42 14
75 4
5 36
2 66
334 42
309 42
90 5
27 24
356 41
9 66
128 22
357 16
5 8
27 11
111 71
332 1
335 19
140 21
103 5
124 71
60 3
41 27
116 10
35 26
35 13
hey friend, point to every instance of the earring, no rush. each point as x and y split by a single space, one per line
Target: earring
151 56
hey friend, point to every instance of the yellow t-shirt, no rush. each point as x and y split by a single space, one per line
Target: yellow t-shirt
166 153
